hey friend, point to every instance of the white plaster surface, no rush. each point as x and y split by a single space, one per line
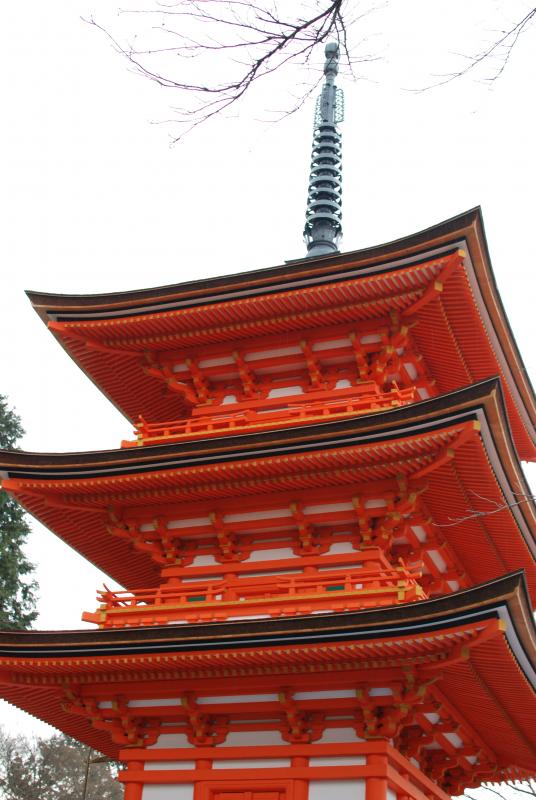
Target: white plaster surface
252 763
270 555
410 369
419 532
370 338
216 362
237 698
251 738
193 522
438 560
454 739
340 547
285 391
170 740
337 761
164 791
250 516
332 344
432 717
338 735
341 790
324 694
256 355
154 701
156 765
327 508
204 561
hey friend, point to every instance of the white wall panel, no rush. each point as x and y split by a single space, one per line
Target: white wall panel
325 694
250 738
337 761
164 791
252 763
271 555
339 735
154 701
170 740
237 698
341 790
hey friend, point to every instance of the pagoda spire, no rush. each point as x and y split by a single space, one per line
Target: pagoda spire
323 228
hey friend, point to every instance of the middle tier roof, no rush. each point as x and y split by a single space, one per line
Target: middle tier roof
455 452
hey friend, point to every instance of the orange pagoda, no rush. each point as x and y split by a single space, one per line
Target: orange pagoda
324 535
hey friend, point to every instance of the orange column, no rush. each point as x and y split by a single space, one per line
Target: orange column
300 787
377 785
133 790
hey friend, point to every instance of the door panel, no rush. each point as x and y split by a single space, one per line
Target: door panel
254 794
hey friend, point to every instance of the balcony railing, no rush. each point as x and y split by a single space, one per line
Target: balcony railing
215 600
269 413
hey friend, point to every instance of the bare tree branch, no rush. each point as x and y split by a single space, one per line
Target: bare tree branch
225 47
523 787
211 52
494 507
501 47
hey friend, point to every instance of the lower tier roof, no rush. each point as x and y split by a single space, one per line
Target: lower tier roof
475 650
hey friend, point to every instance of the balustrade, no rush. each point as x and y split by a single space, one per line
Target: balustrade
205 600
215 420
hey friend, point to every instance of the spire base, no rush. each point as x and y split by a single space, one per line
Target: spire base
321 250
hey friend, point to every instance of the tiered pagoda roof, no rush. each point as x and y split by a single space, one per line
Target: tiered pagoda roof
312 440
161 353
456 447
475 650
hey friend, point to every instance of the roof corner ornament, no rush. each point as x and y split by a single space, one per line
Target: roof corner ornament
323 228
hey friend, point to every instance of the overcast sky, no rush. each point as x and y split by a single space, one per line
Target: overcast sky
95 200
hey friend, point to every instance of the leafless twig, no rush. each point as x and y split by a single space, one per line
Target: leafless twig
212 52
524 787
494 507
502 47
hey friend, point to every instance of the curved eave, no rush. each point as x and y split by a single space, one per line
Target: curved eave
71 493
465 230
35 666
198 291
22 646
486 394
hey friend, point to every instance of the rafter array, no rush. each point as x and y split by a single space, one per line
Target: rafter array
377 367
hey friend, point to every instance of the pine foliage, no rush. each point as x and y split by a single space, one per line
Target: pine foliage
17 589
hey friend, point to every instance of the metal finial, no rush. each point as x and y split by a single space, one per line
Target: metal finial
323 228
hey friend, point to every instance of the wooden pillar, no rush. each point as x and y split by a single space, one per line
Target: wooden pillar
377 785
301 787
134 789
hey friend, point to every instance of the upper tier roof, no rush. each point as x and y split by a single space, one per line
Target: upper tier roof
456 445
462 331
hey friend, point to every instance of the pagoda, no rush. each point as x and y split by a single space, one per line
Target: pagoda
324 535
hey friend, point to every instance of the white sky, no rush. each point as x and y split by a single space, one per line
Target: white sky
94 200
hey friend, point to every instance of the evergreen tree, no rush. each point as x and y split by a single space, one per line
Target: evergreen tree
17 590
